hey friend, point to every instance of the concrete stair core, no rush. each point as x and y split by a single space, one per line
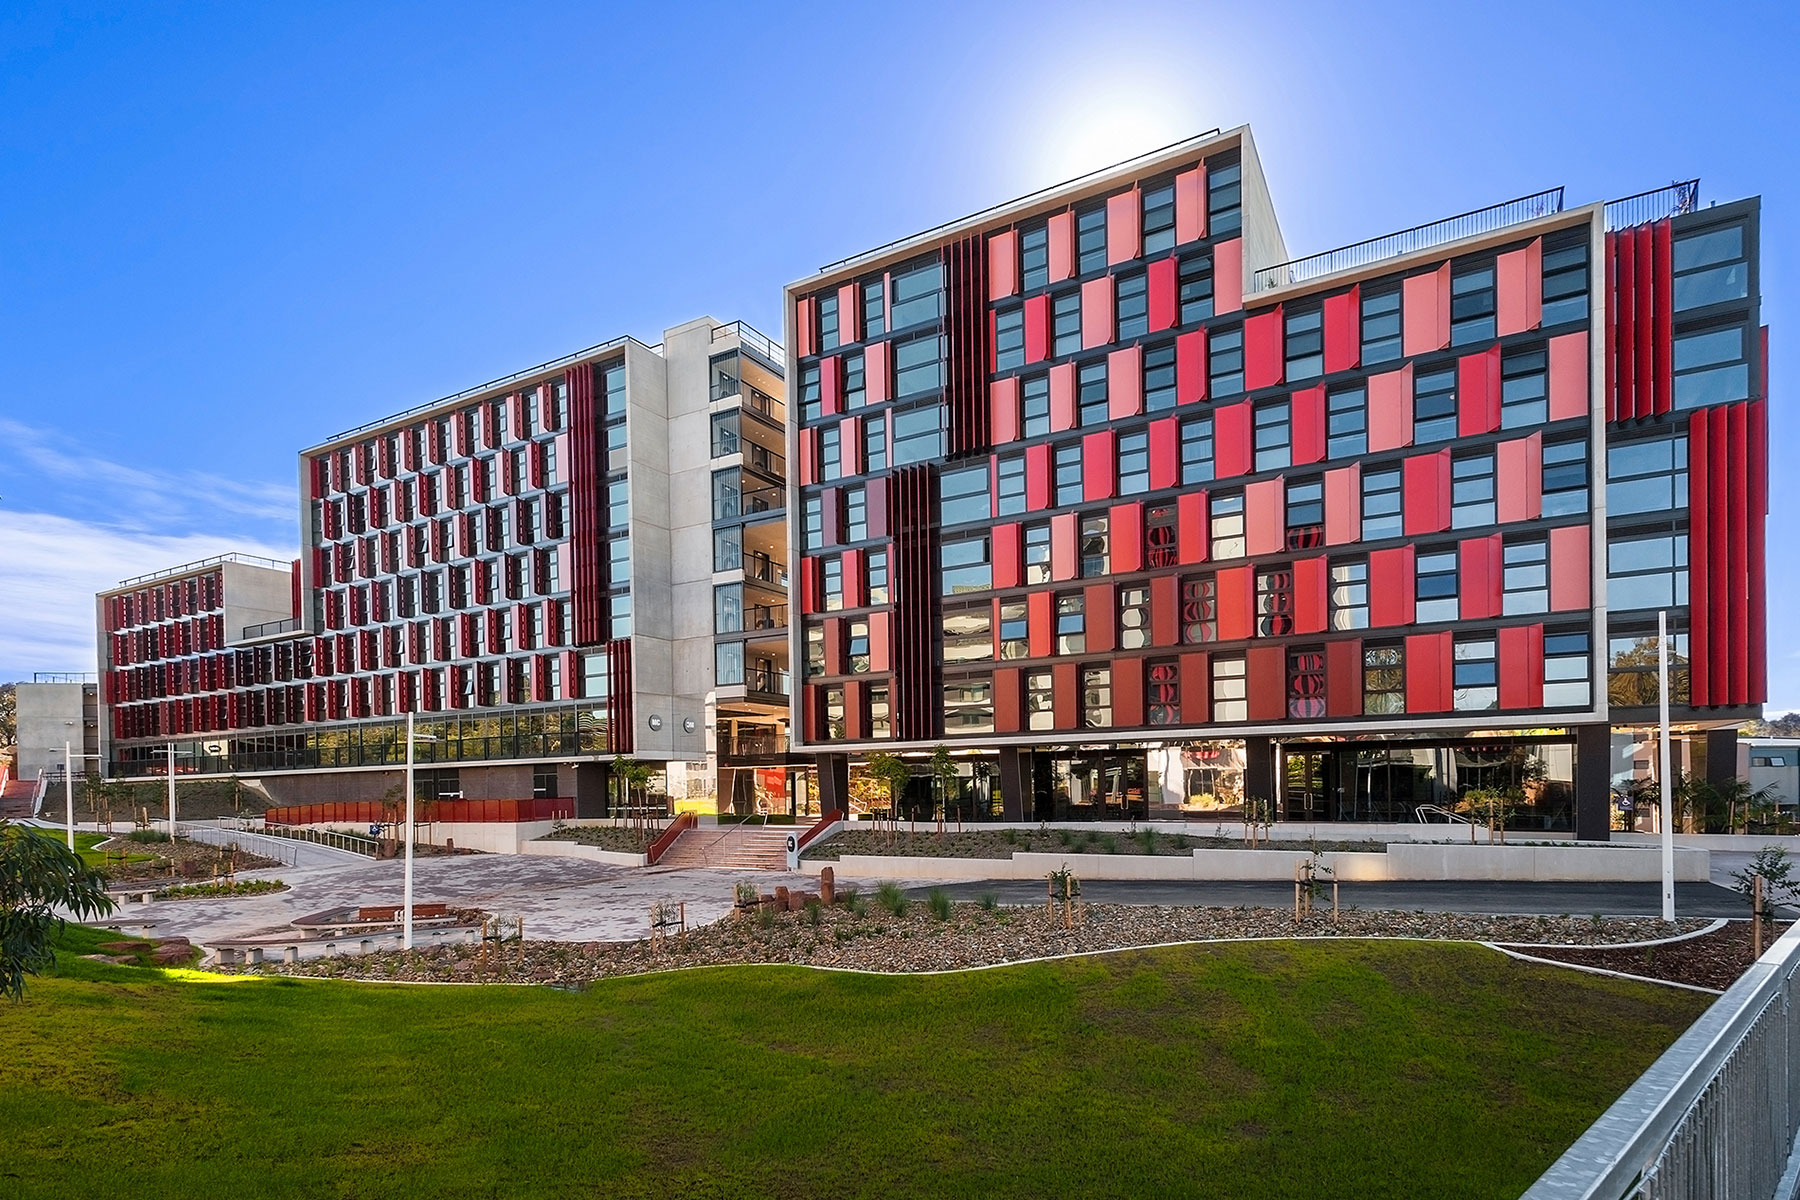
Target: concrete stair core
734 848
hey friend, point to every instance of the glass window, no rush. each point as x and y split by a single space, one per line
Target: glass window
1159 377
1305 514
1525 577
1305 345
1010 483
1159 536
1065 323
830 453
1475 675
1096 697
1381 504
1134 463
1228 526
1648 475
968 632
812 521
1380 327
874 305
1162 692
1199 609
1134 618
1435 583
834 712
968 705
856 647
875 443
613 386
1472 304
877 567
1472 490
1384 680
1037 552
1090 392
1434 406
855 385
1014 630
1273 435
1275 602
1224 196
1646 571
1197 450
1132 311
1034 256
1631 680
1306 683
1096 560
728 549
1071 625
1711 367
918 365
963 495
1090 239
728 663
1195 281
1159 218
918 294
1710 267
811 398
1068 473
1040 703
1034 394
1565 278
1225 362
856 513
1230 695
1565 488
831 581
918 435
728 607
1567 669
1346 422
1009 338
1350 595
725 433
828 321
1524 394
965 565
815 649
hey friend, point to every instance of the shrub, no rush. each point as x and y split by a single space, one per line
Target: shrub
989 901
890 897
746 892
939 901
243 887
1111 843
815 912
765 918
1147 839
858 905
146 836
1011 836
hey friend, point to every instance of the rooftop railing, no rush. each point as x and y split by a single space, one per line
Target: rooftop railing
285 625
63 677
1716 1115
749 335
1408 241
1653 205
253 560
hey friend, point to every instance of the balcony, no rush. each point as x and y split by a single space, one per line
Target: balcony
731 499
752 744
760 568
763 685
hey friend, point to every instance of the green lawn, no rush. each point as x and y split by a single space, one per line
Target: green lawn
85 844
1344 1069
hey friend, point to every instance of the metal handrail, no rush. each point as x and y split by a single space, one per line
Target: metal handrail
1653 205
62 677
285 625
1406 241
1715 1115
255 560
747 333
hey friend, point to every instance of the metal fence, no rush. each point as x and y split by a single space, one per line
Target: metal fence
1407 241
1715 1116
1653 205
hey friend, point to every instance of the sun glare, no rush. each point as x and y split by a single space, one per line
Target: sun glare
1102 127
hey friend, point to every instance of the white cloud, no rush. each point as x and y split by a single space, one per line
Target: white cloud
52 566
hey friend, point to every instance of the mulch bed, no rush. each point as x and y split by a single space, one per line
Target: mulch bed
926 842
207 857
1712 960
971 936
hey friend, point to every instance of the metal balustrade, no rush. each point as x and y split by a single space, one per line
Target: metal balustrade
1715 1116
1653 205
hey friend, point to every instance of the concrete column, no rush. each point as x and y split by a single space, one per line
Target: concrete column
1259 769
834 783
1593 783
1012 784
1721 755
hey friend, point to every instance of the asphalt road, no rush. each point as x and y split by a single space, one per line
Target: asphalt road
1546 899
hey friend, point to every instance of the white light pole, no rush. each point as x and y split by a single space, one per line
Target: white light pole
406 941
171 793
1668 804
69 789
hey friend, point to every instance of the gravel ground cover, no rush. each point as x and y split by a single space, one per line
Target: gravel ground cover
606 837
916 940
1712 960
165 860
1002 843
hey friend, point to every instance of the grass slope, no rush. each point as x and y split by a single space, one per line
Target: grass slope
1246 1070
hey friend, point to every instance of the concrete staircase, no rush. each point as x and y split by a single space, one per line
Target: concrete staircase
17 797
730 848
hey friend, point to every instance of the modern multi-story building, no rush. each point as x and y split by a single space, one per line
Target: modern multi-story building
531 567
1142 516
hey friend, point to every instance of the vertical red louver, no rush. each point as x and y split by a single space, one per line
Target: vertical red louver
1728 503
620 728
966 324
587 540
912 506
1640 380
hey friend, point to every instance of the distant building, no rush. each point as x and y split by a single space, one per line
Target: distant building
53 710
1772 762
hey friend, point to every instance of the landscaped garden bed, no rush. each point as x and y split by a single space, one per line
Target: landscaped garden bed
1711 960
1004 843
221 890
619 839
936 935
137 858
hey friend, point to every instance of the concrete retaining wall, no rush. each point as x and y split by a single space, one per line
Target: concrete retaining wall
612 858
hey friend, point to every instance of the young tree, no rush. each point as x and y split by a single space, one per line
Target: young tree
943 773
891 771
636 777
38 875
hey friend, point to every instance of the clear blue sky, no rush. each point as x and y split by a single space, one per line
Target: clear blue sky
228 231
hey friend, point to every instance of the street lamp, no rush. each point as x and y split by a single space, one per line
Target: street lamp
69 757
1668 806
406 941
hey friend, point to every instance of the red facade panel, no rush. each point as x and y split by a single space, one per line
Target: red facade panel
1065 546
881 641
1125 383
1265 513
1061 228
1519 289
1190 205
1128 692
1097 324
1003 410
1568 381
1343 505
1009 700
875 373
1478 393
1478 578
1165 610
1124 221
1344 678
1228 277
1062 397
1571 568
1037 329
1519 479
1196 690
1265 668
1163 302
1521 654
1232 447
1312 588
1307 422
1190 367
1126 529
1428 672
1391 586
1165 453
1100 617
1192 540
1003 265
1099 464
1391 409
1007 552
1343 330
1426 501
1263 342
1237 603
1040 623
1037 477
1425 311
1065 696
831 385
806 327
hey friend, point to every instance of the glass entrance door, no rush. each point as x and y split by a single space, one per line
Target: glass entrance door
1307 786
